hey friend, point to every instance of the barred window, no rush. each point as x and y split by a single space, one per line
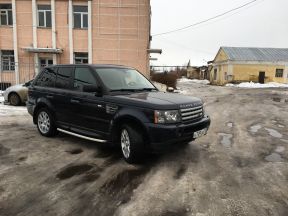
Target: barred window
80 14
6 18
279 73
7 60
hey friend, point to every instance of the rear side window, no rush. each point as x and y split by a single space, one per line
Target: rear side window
47 78
64 77
83 76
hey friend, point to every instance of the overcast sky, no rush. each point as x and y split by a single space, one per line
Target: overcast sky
262 24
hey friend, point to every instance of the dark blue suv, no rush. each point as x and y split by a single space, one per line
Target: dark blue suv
113 104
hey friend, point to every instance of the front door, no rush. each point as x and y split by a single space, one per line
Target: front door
261 77
90 110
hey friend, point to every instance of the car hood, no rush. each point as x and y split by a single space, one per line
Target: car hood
16 87
156 100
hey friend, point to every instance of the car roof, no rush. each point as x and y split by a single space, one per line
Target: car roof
93 65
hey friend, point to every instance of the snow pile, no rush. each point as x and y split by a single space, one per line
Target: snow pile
181 91
6 110
258 85
185 80
1 99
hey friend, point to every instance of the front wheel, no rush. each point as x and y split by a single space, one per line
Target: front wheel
45 123
14 99
132 144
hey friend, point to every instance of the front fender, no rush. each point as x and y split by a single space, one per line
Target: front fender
127 115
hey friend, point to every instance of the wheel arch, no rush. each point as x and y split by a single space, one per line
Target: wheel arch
129 120
42 104
14 92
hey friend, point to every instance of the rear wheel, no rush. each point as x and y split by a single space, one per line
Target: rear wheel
132 144
45 123
14 99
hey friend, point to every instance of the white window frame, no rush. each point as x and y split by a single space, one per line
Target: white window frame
45 17
6 13
82 17
8 59
80 58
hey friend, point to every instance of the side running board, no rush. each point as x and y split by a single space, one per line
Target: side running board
81 136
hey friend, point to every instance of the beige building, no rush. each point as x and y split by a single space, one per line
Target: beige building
245 64
36 33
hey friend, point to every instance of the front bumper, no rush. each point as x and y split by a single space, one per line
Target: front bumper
164 136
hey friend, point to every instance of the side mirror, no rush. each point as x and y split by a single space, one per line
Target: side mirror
93 89
27 84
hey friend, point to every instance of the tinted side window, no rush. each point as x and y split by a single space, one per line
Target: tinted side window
64 77
47 78
83 76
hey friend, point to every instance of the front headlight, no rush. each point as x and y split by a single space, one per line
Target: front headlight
169 116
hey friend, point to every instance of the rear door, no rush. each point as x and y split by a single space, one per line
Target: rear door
62 96
90 112
43 87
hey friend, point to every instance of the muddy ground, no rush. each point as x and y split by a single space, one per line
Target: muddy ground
239 168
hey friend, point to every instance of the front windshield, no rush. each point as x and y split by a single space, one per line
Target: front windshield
123 79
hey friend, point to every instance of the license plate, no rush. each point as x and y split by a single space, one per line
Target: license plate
200 133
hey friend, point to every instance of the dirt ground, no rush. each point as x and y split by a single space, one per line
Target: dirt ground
239 168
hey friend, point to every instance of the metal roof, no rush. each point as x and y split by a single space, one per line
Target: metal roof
256 54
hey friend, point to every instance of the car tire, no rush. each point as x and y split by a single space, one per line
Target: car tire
14 99
45 123
132 144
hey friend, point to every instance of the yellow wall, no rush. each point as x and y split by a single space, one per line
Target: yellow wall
251 72
245 72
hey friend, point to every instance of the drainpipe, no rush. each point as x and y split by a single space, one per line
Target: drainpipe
34 29
90 42
15 44
53 30
70 21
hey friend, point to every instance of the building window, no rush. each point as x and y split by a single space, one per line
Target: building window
7 60
81 58
215 74
44 62
225 76
80 14
279 73
44 16
6 15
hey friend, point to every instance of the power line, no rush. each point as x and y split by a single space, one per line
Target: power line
206 20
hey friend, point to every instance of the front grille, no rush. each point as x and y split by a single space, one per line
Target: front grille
191 114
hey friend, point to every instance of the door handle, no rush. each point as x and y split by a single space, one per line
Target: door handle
73 101
50 96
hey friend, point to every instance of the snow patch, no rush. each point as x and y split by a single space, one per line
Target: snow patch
185 80
258 85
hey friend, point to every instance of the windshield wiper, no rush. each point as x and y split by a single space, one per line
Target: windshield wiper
147 89
123 90
133 90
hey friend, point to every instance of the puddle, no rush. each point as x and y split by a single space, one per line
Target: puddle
276 100
71 171
226 139
274 133
274 157
255 128
229 124
180 172
75 151
4 150
280 149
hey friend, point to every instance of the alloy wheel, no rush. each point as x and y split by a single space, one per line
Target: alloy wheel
44 122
